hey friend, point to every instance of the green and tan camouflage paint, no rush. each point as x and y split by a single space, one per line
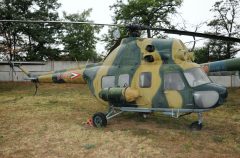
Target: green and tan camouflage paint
170 55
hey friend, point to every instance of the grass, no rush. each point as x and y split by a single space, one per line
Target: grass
52 124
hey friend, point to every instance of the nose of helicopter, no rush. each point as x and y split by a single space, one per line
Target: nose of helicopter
223 94
210 95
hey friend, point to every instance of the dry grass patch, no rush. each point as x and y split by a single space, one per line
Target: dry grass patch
50 125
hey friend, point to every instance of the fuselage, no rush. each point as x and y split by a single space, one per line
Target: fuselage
149 73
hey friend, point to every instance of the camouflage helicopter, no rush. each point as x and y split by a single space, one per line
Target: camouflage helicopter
146 75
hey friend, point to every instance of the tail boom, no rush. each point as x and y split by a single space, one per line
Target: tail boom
63 76
223 65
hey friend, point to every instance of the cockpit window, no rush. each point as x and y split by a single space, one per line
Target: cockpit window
196 77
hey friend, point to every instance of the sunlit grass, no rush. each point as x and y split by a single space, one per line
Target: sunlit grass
52 124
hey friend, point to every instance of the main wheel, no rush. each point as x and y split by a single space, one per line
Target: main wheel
196 126
99 120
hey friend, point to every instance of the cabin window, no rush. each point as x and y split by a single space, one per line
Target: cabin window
123 80
145 80
108 81
173 81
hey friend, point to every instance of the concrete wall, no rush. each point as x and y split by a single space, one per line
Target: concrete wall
6 73
227 81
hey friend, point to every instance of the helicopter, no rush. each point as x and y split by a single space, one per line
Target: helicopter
145 75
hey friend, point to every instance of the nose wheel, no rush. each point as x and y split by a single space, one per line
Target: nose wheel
197 125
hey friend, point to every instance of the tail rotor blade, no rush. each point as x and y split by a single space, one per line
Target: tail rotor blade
12 68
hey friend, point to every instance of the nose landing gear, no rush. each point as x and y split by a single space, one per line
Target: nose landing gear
197 125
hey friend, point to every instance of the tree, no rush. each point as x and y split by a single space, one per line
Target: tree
202 55
154 13
225 22
79 40
10 34
22 41
41 41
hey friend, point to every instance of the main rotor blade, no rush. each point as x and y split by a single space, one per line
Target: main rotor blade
197 34
61 22
136 27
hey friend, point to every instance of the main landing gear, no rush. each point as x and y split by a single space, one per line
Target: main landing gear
197 125
100 119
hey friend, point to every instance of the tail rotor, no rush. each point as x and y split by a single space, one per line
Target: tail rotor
33 79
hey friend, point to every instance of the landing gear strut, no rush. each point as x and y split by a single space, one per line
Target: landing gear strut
197 125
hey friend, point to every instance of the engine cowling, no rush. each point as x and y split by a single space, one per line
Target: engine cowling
119 95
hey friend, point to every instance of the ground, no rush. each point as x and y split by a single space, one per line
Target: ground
52 124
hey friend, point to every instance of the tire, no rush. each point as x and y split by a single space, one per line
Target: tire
145 115
99 120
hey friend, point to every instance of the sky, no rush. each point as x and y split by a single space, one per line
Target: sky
192 13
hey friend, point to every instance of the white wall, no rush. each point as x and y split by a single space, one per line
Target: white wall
227 81
6 73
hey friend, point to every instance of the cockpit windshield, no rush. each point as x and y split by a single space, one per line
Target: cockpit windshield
196 77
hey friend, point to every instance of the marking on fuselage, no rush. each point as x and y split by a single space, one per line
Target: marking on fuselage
74 75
